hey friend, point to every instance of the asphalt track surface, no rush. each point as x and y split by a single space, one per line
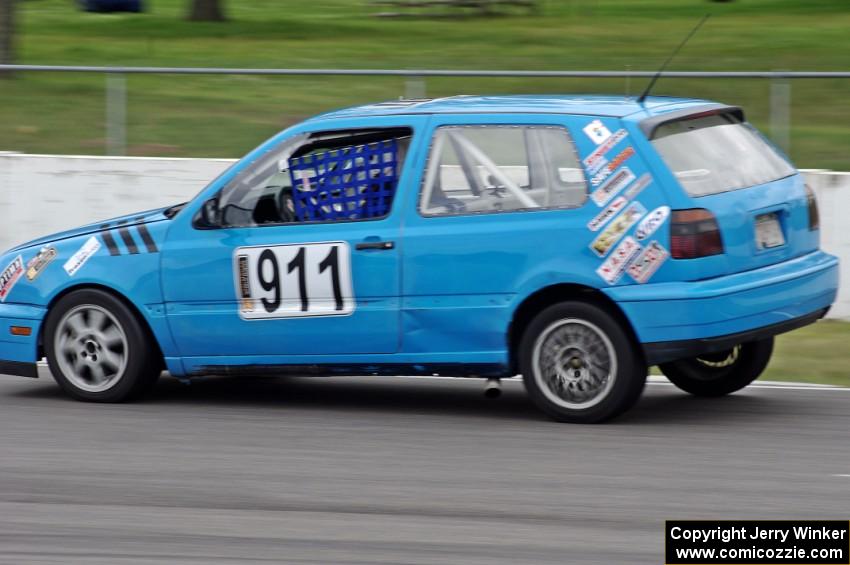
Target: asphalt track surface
393 470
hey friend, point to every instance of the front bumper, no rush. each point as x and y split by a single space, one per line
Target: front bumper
684 319
18 354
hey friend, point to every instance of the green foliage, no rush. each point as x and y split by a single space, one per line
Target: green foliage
225 116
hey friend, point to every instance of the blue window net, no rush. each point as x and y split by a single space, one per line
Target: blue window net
346 183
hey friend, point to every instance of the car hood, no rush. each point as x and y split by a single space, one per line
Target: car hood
146 217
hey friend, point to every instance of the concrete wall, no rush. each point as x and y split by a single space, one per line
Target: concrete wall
41 194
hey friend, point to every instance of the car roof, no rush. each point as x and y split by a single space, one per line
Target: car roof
591 104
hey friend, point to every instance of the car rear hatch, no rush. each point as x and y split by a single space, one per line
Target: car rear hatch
721 164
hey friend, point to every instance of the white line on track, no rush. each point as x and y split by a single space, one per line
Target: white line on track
658 380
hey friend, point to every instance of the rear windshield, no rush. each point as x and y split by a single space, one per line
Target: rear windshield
718 153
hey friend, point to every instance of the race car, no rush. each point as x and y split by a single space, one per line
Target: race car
575 240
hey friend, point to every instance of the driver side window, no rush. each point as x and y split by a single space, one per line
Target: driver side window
332 176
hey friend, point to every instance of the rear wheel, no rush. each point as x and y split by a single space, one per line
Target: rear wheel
97 349
724 372
578 364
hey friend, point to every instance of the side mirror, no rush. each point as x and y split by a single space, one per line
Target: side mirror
208 215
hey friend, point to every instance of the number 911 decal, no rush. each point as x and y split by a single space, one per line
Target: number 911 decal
291 281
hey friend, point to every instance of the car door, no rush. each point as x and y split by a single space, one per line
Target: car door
301 260
502 211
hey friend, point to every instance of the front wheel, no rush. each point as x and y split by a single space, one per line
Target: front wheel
579 365
721 373
97 349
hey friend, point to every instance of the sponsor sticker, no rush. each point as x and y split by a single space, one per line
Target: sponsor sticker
615 184
617 228
78 259
638 186
613 268
621 157
606 171
652 257
597 160
244 284
612 210
597 132
37 264
650 223
10 276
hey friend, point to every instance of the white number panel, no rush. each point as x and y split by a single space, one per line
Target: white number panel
291 281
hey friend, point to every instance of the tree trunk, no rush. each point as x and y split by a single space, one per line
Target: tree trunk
7 35
204 11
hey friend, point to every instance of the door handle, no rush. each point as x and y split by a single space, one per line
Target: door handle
379 245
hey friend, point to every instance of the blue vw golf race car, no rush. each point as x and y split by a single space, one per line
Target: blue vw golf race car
576 240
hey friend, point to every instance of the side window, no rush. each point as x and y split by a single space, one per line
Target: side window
321 177
483 169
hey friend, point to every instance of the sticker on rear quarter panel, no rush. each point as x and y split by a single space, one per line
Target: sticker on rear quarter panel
614 185
617 229
614 267
612 210
651 222
606 171
638 186
596 131
10 275
596 160
648 262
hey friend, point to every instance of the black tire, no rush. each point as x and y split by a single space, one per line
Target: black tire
140 362
718 374
555 394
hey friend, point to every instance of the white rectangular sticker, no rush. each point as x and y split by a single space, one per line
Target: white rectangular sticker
648 262
294 281
614 267
597 132
615 184
78 259
10 275
617 229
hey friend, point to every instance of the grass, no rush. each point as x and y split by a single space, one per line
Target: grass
815 354
226 116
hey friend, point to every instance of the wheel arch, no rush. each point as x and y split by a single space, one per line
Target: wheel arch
143 320
541 299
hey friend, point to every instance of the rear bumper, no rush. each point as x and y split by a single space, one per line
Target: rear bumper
677 320
18 354
663 351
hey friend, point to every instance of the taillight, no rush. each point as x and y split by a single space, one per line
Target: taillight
694 233
814 214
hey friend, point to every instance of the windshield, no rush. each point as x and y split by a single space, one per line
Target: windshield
718 153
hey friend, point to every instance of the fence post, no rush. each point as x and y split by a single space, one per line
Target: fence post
414 87
116 114
780 112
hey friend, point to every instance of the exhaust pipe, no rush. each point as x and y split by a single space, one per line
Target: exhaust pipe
493 388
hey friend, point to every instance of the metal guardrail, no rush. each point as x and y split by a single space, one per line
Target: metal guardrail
116 86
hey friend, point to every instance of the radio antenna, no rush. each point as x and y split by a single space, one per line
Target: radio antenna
657 75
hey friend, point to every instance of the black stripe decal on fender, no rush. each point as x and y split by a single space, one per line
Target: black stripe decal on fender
146 236
128 238
109 240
